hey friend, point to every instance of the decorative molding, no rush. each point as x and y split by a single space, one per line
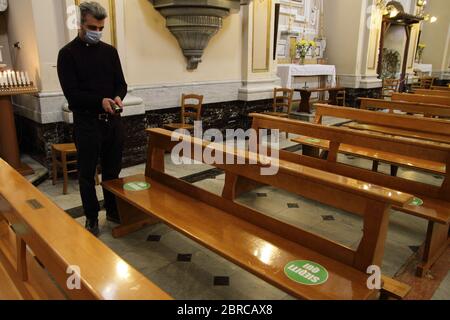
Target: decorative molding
259 5
194 23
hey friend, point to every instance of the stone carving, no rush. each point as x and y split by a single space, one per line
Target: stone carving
194 23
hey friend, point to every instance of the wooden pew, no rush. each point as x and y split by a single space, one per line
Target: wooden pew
428 110
433 130
242 235
38 239
421 98
436 200
432 92
441 88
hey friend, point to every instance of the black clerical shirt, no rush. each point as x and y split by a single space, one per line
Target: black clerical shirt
88 73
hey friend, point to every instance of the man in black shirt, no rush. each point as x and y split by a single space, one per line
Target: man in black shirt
92 80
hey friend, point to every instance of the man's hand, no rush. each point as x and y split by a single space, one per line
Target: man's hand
119 102
106 103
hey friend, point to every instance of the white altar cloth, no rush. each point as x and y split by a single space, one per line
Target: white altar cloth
424 68
288 71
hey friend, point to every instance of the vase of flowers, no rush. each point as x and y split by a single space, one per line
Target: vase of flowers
303 48
420 48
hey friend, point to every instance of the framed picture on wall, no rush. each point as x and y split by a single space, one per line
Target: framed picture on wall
282 50
318 51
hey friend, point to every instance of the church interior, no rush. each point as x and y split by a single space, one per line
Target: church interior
224 150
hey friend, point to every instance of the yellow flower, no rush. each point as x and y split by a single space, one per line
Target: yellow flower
422 45
302 42
312 43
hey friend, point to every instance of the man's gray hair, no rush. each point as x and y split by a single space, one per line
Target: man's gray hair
93 8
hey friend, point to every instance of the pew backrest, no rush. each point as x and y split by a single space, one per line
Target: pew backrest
337 135
432 92
428 110
421 98
61 244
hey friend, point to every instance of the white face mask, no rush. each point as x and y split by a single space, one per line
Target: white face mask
93 37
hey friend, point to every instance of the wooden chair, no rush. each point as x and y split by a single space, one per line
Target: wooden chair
389 87
60 159
189 112
283 102
425 82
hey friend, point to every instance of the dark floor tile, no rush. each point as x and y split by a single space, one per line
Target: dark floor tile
154 238
262 195
221 281
414 248
184 257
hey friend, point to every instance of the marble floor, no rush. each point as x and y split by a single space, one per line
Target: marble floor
187 270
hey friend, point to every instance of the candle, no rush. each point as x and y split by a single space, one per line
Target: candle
14 78
24 81
27 78
8 75
19 79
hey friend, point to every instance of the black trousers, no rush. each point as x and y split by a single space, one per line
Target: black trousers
98 140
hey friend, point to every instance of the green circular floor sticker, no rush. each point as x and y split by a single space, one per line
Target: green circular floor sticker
136 186
416 202
306 272
312 140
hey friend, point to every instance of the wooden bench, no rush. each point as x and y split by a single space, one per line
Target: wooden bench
441 88
257 242
433 130
436 199
39 242
432 92
427 110
421 98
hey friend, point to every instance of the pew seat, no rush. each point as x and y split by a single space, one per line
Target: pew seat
251 239
399 132
372 154
239 241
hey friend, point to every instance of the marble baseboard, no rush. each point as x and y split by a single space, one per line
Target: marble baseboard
352 95
37 138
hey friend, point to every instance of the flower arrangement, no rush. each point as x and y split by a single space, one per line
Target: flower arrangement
303 47
420 48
